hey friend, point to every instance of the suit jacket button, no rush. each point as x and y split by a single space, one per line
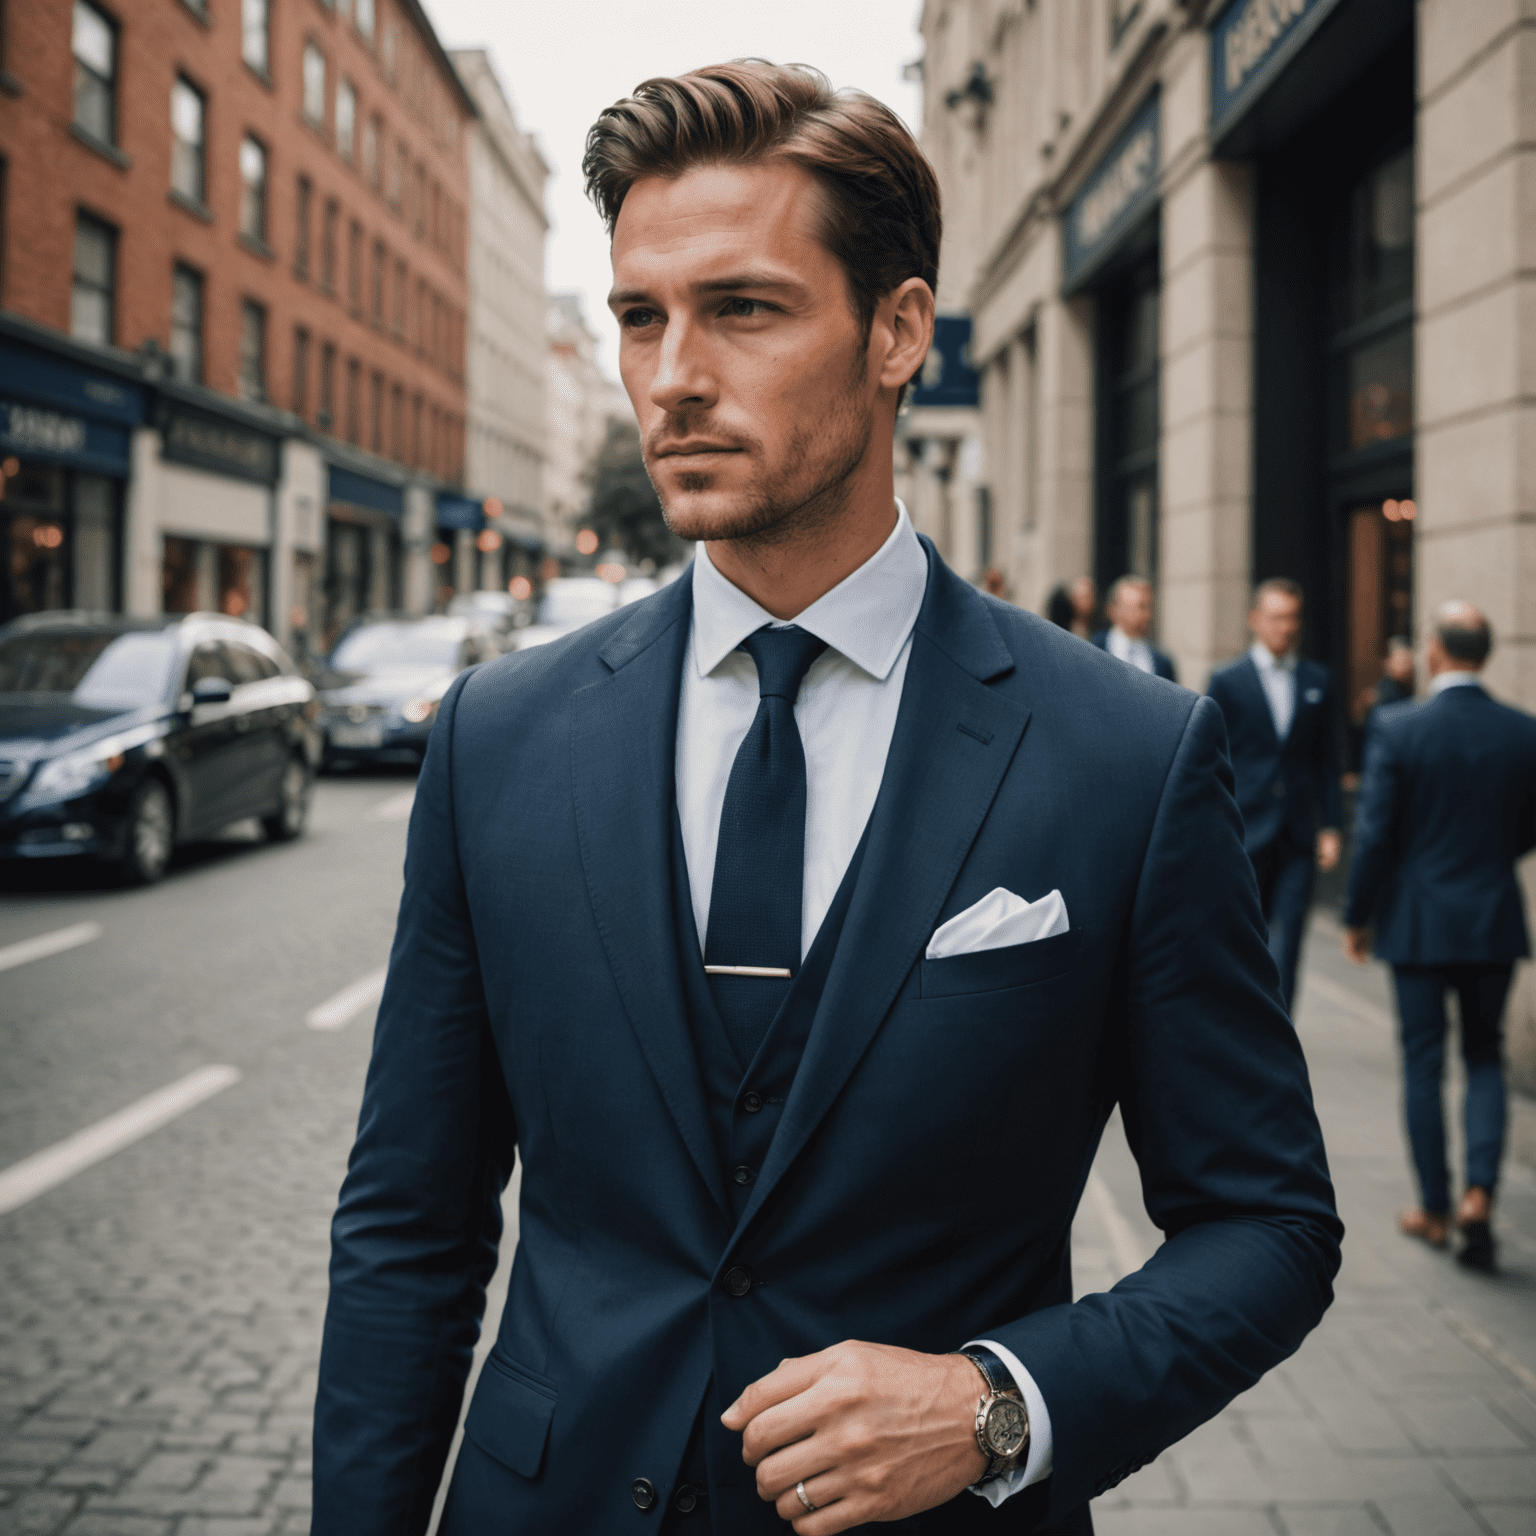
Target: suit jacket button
738 1282
752 1102
643 1492
742 1175
686 1499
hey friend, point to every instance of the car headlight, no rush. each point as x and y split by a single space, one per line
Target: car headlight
419 710
73 773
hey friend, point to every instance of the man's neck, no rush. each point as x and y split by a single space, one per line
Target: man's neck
786 578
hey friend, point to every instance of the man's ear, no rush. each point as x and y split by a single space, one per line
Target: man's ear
904 321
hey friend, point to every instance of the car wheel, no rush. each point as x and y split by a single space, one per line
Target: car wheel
287 822
151 834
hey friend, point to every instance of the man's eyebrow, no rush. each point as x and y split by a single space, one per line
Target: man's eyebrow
732 284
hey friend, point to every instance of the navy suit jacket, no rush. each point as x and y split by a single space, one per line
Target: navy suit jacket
1162 665
936 1137
1447 804
1289 786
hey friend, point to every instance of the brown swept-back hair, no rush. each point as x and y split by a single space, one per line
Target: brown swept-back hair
881 219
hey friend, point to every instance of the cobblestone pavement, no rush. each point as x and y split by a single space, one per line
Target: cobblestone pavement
160 1312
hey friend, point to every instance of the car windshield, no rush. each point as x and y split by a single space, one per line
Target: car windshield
99 669
379 647
575 601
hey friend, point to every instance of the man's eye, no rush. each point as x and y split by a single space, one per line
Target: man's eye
637 319
745 309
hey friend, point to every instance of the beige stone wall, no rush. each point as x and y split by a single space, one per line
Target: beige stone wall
1475 361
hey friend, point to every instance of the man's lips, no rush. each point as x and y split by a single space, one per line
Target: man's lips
694 450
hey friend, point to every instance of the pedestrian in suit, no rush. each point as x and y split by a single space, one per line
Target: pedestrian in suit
797 930
1447 805
1129 611
1280 731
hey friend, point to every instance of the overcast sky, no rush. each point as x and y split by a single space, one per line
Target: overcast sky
563 61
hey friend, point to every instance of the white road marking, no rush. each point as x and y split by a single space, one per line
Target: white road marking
396 808
46 944
1130 1252
32 1176
349 1002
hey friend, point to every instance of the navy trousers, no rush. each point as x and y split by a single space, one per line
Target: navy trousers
1481 991
1285 874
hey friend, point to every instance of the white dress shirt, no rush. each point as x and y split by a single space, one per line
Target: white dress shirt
1457 678
1137 652
846 713
1278 675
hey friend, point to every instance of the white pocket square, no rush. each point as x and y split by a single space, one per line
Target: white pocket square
999 919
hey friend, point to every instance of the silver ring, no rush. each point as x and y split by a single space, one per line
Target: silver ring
800 1494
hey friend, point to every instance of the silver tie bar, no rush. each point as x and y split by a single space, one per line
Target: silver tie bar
747 970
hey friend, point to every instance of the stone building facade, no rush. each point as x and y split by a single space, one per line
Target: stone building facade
1252 291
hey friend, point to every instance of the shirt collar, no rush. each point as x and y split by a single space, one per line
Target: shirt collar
1120 637
1458 678
866 617
1265 659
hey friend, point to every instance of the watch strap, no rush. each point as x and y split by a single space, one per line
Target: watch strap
999 1382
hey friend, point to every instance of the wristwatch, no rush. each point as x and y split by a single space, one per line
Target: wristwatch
1002 1420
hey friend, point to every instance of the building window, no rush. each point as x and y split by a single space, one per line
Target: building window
326 415
300 402
397 422
253 190
421 200
401 283
95 48
371 132
187 140
355 265
376 412
253 34
376 286
354 389
346 118
90 309
396 188
314 84
187 325
328 245
301 227
253 350
365 18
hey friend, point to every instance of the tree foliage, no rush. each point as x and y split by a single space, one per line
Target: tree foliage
626 513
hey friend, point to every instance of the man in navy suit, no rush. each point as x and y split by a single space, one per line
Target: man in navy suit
1280 732
1447 804
798 929
1129 611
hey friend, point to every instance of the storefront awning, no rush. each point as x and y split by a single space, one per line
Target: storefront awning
460 512
358 490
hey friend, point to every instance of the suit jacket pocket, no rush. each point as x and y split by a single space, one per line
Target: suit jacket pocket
998 970
510 1415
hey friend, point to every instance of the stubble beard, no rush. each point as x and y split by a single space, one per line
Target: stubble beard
791 505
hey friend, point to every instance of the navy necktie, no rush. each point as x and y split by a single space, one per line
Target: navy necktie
755 901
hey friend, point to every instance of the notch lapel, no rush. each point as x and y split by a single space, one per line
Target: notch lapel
953 742
1261 698
623 740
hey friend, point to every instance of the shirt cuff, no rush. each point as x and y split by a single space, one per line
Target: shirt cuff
1037 1465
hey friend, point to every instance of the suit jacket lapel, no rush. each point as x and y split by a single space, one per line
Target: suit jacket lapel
953 742
1266 714
623 739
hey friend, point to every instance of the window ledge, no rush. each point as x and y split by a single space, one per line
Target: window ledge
257 247
191 205
10 84
199 9
106 151
260 73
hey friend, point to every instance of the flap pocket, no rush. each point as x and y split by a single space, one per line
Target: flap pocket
510 1415
997 970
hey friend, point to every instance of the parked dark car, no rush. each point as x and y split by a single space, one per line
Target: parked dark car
382 682
120 738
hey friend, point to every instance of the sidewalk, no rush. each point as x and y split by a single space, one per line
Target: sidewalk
1412 1410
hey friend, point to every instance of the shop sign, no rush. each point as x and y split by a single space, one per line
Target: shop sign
1115 196
1251 42
39 433
46 379
352 489
460 512
224 446
947 377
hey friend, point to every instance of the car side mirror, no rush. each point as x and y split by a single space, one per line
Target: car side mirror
211 690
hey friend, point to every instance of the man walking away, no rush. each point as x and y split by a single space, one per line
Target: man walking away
1129 611
1447 805
1279 712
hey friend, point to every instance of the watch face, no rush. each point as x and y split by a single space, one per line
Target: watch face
1007 1427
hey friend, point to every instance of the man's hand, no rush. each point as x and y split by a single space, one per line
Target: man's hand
1357 944
874 1433
1329 846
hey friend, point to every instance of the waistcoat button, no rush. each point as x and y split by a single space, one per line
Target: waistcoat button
643 1492
752 1103
741 1175
738 1282
686 1499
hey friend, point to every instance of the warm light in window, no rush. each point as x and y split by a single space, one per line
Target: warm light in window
1398 511
488 542
612 571
520 588
441 554
586 542
1407 511
47 536
492 506
12 466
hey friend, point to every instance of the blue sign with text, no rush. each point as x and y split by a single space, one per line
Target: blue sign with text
460 512
1251 42
1115 196
946 377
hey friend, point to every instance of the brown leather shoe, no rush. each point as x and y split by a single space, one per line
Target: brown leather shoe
1475 1218
1424 1226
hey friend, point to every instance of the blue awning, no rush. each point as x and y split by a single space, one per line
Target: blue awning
363 491
460 512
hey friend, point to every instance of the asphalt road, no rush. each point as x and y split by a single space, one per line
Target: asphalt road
163 1225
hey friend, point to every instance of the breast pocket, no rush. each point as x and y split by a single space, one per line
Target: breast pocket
998 970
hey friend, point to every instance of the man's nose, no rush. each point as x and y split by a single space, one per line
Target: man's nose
684 379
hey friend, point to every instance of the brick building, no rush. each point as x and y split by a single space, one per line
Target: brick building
249 219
